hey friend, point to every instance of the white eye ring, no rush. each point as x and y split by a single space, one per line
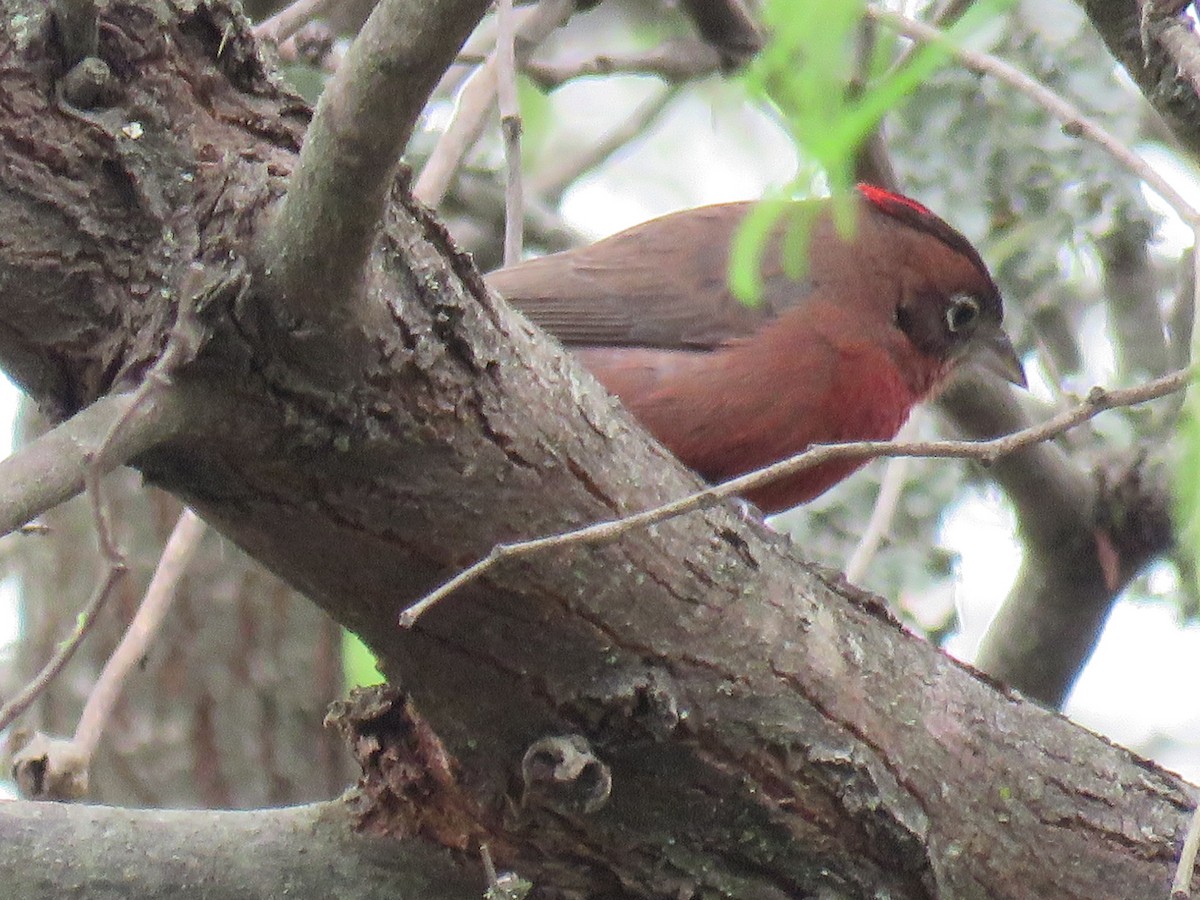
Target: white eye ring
961 313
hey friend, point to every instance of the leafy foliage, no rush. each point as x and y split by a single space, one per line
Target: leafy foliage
829 101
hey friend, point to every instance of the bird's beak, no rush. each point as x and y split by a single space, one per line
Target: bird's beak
991 349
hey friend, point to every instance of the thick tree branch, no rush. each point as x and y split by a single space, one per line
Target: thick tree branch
1049 624
327 224
47 850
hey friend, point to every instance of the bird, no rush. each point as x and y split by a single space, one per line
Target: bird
880 317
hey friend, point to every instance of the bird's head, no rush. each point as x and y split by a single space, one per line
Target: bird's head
946 302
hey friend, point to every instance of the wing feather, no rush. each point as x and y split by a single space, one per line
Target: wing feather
654 285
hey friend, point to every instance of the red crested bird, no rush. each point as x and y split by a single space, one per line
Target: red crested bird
875 324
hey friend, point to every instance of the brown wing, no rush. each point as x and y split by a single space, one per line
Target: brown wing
659 284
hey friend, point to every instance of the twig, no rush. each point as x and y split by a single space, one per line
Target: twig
66 649
1073 120
1181 883
985 452
891 488
476 101
554 178
674 61
510 128
176 556
51 469
281 26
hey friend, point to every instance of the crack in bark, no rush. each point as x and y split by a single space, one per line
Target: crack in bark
887 822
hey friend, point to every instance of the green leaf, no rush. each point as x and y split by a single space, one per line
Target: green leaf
359 668
536 120
749 247
803 75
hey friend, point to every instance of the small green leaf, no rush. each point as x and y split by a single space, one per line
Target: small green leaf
359 667
749 247
537 119
802 75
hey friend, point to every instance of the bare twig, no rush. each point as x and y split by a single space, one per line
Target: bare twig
891 488
1182 882
1073 120
556 176
510 128
477 99
986 452
281 26
176 556
674 61
66 649
52 468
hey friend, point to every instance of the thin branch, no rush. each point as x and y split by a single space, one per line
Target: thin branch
557 175
281 26
176 556
1072 118
510 128
477 99
319 241
66 649
674 61
985 452
891 488
52 469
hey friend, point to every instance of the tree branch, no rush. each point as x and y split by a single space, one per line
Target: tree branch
1119 23
325 228
52 468
47 850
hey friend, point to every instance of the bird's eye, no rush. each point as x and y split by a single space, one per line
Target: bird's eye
961 313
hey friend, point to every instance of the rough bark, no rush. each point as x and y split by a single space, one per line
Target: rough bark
768 731
1119 23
